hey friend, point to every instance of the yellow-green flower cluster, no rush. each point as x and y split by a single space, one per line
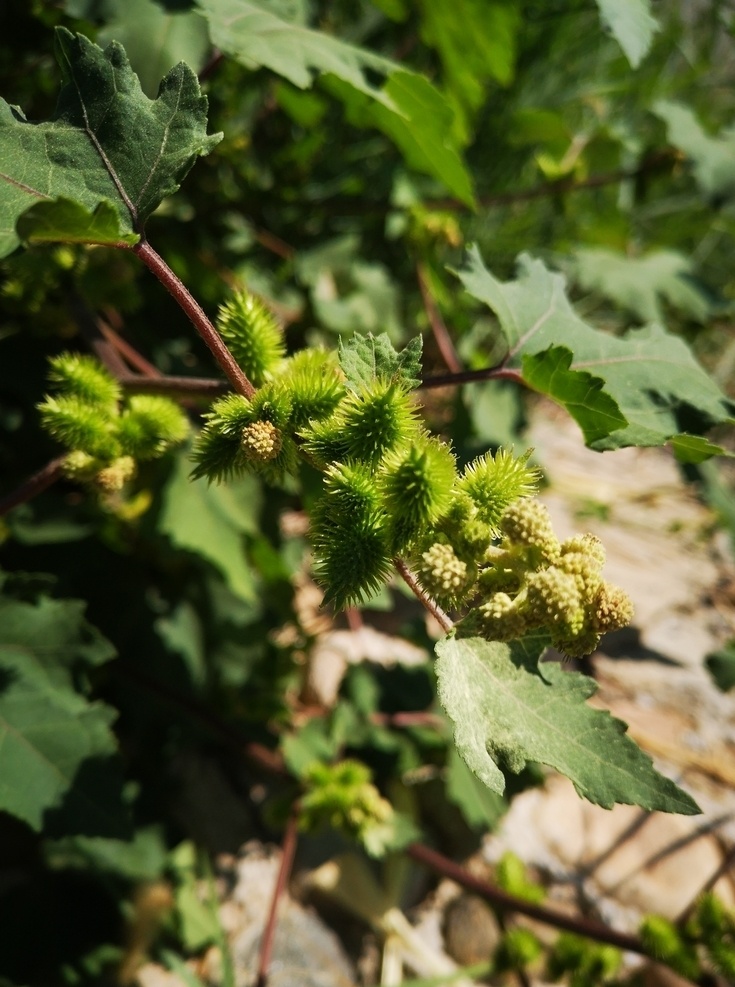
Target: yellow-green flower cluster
549 586
105 433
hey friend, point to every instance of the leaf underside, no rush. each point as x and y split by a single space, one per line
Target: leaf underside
508 710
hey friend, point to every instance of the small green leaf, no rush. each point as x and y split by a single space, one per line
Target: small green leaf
695 448
58 756
640 284
712 157
61 641
649 374
508 710
721 666
66 221
367 358
632 25
582 394
480 805
83 154
211 521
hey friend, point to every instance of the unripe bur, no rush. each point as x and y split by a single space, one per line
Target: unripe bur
252 335
495 482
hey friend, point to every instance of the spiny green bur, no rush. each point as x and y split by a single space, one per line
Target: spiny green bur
105 434
390 489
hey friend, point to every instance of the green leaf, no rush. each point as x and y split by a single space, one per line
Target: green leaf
84 152
211 521
631 24
63 220
476 41
155 39
695 448
581 393
55 632
406 106
640 284
367 358
712 157
480 805
508 710
58 763
419 123
721 666
650 375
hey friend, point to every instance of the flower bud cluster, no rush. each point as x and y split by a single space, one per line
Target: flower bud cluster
550 586
106 434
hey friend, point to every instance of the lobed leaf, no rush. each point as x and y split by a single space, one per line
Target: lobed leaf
365 359
651 384
508 710
83 153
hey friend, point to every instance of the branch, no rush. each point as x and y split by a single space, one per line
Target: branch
501 899
439 329
288 850
204 387
420 593
33 486
470 376
183 297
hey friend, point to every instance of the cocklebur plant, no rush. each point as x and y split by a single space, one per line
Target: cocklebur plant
105 433
476 537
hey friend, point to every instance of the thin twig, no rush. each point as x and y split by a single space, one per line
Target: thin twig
470 376
654 162
183 297
33 486
501 899
134 358
420 593
214 63
438 328
288 850
204 387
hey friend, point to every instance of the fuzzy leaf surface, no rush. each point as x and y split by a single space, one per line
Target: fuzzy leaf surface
651 376
508 710
406 107
84 152
367 358
632 25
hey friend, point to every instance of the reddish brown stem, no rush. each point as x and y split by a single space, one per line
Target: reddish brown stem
501 899
204 387
288 851
438 328
183 297
420 593
33 486
128 352
470 376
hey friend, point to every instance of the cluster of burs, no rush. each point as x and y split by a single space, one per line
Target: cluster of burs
479 541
